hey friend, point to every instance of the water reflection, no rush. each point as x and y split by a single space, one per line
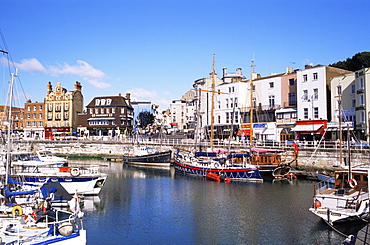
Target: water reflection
157 206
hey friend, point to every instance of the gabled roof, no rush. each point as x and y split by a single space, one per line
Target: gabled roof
109 101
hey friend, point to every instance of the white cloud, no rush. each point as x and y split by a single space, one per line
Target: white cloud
31 65
81 69
142 93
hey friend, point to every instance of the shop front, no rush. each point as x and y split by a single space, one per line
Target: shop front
310 130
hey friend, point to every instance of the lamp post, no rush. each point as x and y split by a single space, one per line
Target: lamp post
312 118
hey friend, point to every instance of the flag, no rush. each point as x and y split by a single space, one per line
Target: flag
295 148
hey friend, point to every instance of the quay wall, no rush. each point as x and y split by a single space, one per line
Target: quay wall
308 157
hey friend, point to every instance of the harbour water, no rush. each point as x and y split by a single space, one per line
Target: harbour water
156 206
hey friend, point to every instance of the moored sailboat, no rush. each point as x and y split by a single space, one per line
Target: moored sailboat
234 166
200 163
348 198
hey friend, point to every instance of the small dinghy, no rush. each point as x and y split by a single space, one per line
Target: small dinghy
217 178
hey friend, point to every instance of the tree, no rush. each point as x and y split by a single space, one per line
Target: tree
357 62
145 118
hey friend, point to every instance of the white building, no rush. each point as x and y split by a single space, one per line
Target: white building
314 100
362 86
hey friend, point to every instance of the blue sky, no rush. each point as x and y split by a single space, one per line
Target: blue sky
156 49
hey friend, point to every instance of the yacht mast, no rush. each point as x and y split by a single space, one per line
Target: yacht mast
213 102
8 155
251 105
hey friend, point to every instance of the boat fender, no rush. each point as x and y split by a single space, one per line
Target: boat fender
30 218
75 172
317 204
352 183
65 229
17 210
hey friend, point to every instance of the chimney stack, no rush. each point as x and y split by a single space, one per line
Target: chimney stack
128 96
49 88
78 86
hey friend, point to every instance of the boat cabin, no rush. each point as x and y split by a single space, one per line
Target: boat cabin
358 181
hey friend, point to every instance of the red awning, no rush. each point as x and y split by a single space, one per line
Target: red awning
246 132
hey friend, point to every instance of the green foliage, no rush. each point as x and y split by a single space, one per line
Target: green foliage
145 118
357 62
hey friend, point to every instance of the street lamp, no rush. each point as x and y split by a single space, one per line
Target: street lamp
312 117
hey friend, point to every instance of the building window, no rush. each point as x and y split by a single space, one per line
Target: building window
316 112
305 113
315 76
305 95
294 114
231 103
28 116
40 124
34 108
218 119
113 110
272 100
28 124
227 103
361 83
236 117
315 94
122 110
362 116
40 116
227 117
361 102
353 103
353 89
34 124
305 78
291 81
271 84
34 115
292 99
28 108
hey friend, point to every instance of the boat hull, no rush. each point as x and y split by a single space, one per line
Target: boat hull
236 173
91 185
158 159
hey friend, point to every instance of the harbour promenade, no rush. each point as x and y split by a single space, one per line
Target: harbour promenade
310 156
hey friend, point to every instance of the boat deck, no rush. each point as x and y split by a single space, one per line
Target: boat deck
335 191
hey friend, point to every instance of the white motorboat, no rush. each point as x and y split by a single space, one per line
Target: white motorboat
345 200
49 157
56 227
86 180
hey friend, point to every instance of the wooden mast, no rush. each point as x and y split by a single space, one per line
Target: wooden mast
251 106
213 102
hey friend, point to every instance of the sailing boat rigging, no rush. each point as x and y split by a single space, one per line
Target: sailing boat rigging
269 161
231 166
